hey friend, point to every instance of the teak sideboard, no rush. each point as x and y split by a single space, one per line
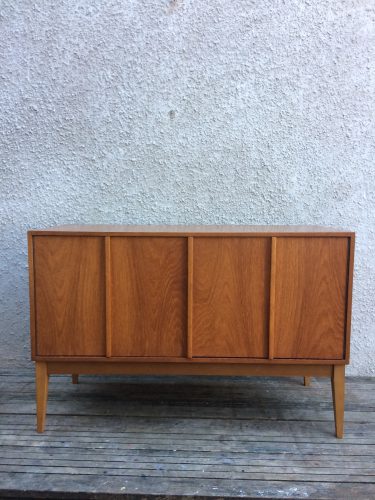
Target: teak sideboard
191 300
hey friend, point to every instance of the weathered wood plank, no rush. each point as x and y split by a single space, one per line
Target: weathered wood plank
199 469
141 410
282 448
257 427
86 436
177 488
217 462
230 437
185 456
344 477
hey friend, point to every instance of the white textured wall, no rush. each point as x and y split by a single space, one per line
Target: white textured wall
186 111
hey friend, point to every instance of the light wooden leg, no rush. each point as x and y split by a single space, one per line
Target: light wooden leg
306 381
75 378
41 382
338 397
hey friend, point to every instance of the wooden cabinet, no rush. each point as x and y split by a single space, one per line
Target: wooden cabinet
199 300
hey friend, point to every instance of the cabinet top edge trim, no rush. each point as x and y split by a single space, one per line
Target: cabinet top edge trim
181 230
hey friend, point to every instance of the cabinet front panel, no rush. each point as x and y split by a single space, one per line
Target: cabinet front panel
69 295
310 297
149 290
231 282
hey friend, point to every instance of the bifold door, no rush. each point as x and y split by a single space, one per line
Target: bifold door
311 281
231 287
148 290
69 279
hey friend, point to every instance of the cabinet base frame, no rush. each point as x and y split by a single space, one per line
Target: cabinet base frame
335 372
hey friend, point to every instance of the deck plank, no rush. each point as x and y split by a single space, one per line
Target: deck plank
184 437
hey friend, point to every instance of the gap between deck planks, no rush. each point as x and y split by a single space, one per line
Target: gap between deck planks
182 437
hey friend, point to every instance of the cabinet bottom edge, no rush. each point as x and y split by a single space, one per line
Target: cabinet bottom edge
128 368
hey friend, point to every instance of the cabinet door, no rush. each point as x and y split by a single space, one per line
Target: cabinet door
149 289
310 297
231 278
69 295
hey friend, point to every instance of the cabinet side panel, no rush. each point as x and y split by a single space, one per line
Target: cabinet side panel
349 298
149 296
311 296
231 286
70 295
30 245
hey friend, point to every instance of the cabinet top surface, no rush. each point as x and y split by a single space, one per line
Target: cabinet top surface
103 229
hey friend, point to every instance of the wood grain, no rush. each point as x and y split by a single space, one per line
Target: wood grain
231 297
338 397
108 297
41 386
220 369
190 297
30 249
196 360
70 295
271 334
349 297
149 296
311 294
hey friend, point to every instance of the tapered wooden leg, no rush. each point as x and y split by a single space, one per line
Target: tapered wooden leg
306 381
41 382
338 397
75 378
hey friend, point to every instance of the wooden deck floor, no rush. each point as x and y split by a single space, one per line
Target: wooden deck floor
117 437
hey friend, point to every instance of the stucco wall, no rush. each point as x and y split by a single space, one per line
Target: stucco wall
183 111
